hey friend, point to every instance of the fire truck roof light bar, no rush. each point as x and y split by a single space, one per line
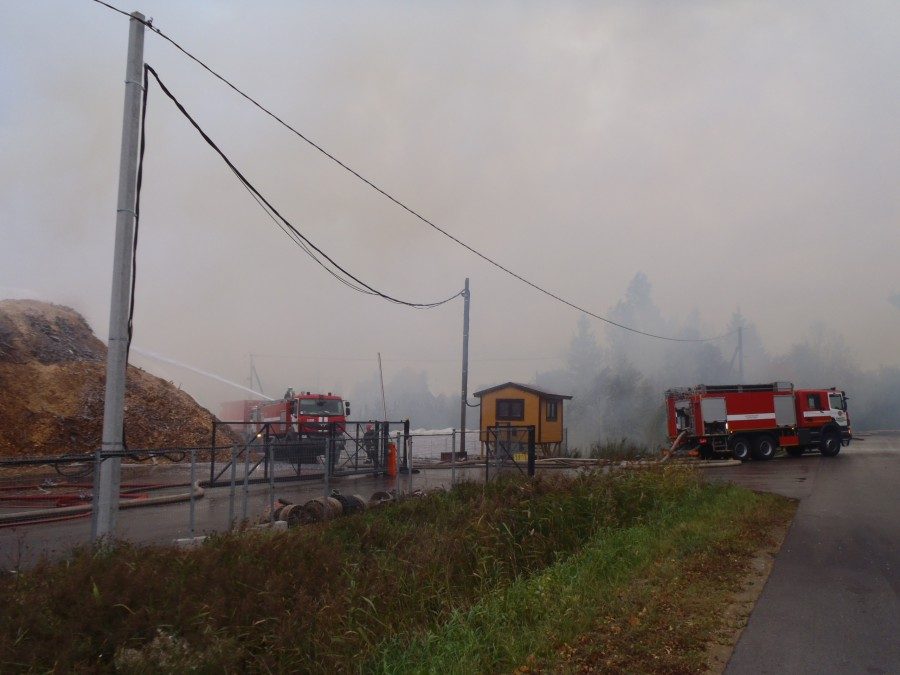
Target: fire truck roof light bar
723 388
772 386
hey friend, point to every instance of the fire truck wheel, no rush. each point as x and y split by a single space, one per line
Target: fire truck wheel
740 449
830 444
795 451
764 447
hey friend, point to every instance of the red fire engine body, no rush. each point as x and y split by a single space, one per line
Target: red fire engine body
296 416
755 419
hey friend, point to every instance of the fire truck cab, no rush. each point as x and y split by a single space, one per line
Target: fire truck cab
304 419
754 420
302 415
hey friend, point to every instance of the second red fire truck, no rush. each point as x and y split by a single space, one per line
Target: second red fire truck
296 416
754 420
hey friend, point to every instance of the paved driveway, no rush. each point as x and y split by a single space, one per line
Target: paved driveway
832 602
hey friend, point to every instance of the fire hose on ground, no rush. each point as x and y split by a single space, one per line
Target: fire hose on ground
69 512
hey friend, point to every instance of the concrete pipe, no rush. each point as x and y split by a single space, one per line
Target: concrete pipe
380 498
319 509
290 514
354 504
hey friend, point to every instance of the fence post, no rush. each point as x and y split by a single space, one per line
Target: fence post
328 449
246 480
531 452
487 455
193 498
231 492
453 458
269 439
407 450
270 459
98 458
212 460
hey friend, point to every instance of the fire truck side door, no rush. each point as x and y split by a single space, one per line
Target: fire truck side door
713 409
785 412
714 415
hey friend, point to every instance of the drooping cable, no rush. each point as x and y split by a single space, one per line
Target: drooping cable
137 213
402 205
142 131
292 231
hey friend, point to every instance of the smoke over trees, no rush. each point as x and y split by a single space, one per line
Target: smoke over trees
618 386
407 396
617 379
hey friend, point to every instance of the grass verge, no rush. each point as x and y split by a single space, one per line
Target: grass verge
646 598
485 578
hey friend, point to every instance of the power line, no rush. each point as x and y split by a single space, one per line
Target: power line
401 204
361 359
283 223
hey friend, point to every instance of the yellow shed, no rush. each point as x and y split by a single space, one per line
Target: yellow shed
513 404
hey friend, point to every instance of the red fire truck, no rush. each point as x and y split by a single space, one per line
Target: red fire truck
747 420
296 416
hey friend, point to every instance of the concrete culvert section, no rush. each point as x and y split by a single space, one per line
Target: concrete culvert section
319 509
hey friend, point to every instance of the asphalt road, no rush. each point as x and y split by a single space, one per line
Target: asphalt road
23 546
832 602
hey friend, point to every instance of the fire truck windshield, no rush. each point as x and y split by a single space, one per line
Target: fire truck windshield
837 402
321 406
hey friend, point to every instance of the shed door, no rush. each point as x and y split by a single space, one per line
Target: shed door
785 413
713 410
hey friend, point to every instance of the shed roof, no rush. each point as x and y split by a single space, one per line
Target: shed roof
523 387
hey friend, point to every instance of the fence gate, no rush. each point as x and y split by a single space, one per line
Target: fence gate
509 449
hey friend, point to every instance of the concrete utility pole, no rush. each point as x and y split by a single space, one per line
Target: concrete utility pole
741 353
108 478
381 378
465 370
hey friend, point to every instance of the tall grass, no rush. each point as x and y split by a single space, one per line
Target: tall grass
621 449
322 598
625 577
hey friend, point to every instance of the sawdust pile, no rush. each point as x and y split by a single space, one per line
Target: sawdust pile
52 373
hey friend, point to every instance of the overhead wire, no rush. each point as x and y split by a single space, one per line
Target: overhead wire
401 204
288 227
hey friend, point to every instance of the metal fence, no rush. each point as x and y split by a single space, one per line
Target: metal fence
241 479
335 449
509 449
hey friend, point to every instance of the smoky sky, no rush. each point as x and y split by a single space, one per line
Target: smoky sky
743 155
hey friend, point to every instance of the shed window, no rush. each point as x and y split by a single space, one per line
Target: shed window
510 408
551 411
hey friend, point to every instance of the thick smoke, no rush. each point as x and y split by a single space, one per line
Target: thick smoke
407 396
617 379
618 385
743 154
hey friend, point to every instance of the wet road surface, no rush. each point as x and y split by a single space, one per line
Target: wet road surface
832 602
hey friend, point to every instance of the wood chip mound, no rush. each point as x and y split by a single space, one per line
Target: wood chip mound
52 374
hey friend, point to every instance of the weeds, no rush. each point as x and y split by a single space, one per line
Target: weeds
330 597
622 449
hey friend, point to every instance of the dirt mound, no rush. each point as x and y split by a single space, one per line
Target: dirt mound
52 374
